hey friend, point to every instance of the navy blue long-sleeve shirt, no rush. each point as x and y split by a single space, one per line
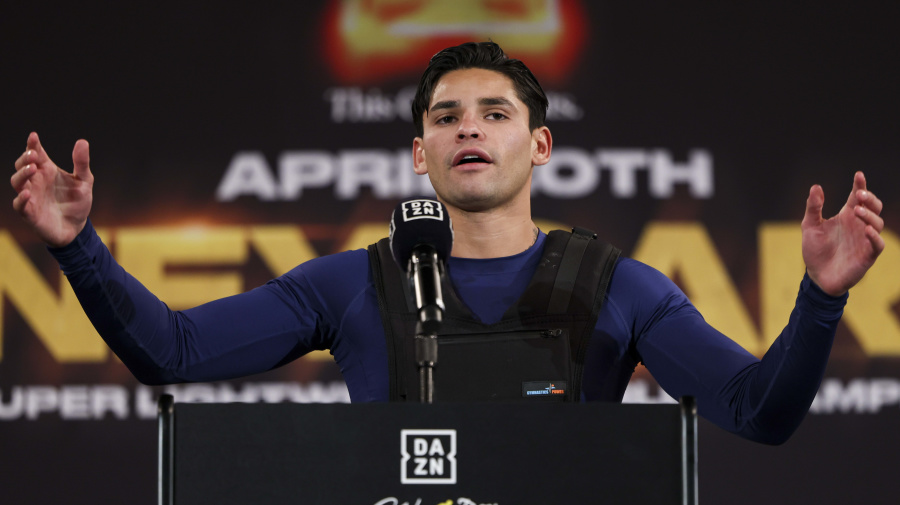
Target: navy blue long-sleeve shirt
330 303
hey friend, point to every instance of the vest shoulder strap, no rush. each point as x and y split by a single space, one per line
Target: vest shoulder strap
394 304
572 276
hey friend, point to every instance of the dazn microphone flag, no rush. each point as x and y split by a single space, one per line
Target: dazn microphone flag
417 223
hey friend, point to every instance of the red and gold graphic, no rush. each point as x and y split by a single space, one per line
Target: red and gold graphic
369 41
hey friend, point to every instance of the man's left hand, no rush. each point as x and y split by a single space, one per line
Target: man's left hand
840 250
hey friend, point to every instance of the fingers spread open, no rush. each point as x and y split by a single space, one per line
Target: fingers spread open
33 142
870 218
38 154
859 181
875 239
22 176
871 201
814 205
859 187
81 158
21 200
21 161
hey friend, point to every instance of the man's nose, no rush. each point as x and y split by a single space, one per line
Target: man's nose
468 128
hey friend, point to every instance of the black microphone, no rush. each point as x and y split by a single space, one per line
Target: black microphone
421 239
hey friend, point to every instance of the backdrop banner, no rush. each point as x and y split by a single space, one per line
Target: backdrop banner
232 143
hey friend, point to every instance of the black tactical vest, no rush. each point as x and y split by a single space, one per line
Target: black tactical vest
534 353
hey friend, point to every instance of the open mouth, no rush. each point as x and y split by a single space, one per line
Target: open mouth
471 159
470 156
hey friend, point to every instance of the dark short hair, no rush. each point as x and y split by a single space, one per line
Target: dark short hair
489 56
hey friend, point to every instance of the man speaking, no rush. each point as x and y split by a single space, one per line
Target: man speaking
479 117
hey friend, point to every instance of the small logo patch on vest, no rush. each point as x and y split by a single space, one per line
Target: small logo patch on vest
543 388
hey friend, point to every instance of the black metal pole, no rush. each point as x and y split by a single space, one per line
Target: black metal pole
689 449
425 277
426 356
166 414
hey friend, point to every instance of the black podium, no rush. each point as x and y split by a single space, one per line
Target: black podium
441 454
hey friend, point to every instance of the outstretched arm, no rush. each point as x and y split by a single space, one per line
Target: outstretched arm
55 203
231 337
838 251
765 400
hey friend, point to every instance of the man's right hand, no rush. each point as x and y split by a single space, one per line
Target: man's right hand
55 203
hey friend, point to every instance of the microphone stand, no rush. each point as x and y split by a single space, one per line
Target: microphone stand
426 278
426 355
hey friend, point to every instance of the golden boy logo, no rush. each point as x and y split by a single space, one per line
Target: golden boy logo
368 41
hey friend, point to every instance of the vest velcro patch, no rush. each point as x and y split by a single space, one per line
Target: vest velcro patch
534 389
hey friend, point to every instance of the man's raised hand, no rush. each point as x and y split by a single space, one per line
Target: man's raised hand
838 251
55 203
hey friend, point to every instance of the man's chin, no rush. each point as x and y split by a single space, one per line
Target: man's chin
472 202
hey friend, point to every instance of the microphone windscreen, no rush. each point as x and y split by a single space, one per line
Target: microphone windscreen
420 222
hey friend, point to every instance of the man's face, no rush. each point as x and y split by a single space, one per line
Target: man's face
476 146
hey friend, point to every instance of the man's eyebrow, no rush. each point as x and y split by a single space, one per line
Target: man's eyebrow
496 100
446 104
491 100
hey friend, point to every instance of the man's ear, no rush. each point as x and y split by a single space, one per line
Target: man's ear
541 145
418 154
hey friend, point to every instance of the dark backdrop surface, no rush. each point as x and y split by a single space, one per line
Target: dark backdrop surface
250 138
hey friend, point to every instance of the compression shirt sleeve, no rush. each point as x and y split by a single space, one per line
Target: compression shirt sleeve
235 336
763 400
